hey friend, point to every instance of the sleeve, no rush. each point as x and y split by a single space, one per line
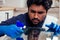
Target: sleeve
9 21
13 20
2 35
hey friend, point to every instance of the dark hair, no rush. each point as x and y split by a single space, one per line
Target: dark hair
46 3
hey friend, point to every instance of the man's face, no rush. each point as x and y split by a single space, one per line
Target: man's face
36 13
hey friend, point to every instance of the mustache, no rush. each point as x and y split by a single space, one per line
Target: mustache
35 19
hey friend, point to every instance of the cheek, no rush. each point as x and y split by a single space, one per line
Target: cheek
42 16
31 16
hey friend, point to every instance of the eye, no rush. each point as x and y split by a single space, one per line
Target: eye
33 11
41 12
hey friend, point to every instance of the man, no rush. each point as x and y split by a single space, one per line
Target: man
35 17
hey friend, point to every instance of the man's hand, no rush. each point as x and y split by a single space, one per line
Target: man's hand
53 28
11 30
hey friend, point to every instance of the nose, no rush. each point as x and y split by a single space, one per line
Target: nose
35 15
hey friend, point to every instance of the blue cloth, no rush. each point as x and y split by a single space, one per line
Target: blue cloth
19 38
53 28
11 30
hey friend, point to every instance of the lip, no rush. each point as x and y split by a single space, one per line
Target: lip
35 21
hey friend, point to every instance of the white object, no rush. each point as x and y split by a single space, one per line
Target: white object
55 38
48 38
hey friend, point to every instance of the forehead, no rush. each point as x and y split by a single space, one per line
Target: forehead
37 7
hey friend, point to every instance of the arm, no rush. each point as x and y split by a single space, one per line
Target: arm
7 22
13 20
10 26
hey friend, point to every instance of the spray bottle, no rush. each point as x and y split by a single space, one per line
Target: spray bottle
21 26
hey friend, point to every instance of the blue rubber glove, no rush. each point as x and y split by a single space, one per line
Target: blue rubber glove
11 30
53 28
